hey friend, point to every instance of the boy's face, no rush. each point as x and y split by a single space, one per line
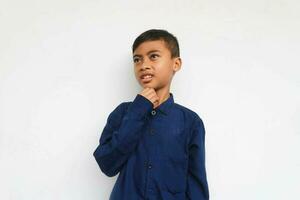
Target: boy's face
154 58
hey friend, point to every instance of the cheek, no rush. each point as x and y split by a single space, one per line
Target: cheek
135 72
163 77
166 72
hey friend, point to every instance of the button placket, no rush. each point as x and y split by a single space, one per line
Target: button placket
151 131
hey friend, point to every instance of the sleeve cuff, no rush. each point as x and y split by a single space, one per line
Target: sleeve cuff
140 106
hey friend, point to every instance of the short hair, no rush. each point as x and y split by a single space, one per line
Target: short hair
159 34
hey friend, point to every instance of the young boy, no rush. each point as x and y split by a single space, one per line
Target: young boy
157 145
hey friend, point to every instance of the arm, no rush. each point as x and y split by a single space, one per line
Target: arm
121 135
197 186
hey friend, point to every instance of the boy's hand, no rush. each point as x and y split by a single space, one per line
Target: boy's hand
150 94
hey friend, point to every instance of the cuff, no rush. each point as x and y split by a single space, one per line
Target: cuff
140 107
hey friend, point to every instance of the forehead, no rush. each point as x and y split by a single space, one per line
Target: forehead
150 46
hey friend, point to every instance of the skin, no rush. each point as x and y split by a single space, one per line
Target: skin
160 64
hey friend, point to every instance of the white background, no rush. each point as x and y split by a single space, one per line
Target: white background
64 65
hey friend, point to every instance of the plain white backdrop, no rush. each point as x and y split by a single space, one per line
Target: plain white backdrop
65 65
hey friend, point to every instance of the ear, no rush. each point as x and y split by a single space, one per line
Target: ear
177 64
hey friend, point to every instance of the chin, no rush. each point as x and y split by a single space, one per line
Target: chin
151 85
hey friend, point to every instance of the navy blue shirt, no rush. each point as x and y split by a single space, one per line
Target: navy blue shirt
159 153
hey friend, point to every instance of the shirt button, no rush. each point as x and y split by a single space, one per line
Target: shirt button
151 131
153 112
150 166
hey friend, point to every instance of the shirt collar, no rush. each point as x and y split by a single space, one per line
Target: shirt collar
165 106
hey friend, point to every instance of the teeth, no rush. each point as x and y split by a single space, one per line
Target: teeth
147 76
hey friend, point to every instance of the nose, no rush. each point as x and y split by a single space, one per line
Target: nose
145 67
145 64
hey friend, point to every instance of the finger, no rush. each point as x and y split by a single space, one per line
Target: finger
155 100
145 91
153 97
148 90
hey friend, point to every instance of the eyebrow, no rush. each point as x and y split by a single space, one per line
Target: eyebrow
151 51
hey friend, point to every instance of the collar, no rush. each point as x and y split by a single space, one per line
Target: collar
165 106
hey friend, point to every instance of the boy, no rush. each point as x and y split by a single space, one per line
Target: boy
157 145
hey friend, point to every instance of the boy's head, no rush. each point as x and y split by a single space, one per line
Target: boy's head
156 52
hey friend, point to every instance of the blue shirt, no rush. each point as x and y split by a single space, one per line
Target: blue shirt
159 153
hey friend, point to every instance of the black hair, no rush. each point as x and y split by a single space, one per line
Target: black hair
159 34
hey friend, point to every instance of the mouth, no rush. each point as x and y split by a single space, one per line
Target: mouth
146 78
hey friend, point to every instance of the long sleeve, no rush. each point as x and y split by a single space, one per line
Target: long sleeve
197 186
121 135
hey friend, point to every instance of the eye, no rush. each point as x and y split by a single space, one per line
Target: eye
154 55
135 60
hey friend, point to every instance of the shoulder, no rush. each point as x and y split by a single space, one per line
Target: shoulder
194 123
195 126
116 114
189 113
194 120
117 111
121 107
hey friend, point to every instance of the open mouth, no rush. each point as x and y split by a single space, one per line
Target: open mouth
147 77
